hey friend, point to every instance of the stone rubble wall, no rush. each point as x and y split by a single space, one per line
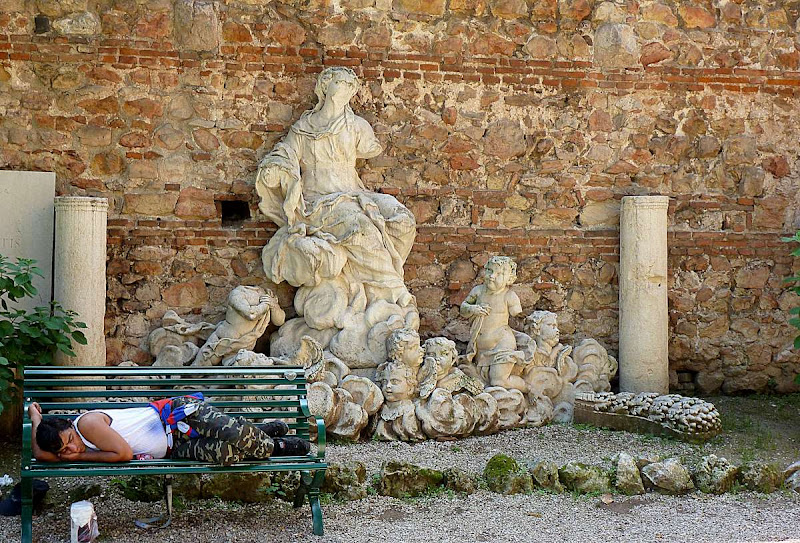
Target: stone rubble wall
510 126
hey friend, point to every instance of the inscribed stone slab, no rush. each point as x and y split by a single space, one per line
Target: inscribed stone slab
26 225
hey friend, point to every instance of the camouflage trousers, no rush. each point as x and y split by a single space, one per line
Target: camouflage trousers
223 439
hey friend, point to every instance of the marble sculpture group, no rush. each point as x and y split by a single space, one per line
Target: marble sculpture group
355 330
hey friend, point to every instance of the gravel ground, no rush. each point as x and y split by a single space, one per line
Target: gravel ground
557 442
483 516
480 517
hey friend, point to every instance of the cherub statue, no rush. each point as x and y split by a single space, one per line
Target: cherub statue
397 420
552 372
438 370
250 310
492 343
403 347
542 326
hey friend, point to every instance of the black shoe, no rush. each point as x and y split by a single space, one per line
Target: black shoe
275 428
290 446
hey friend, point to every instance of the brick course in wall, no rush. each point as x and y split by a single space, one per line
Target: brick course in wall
510 127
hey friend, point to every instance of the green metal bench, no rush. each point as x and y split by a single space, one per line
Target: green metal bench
54 388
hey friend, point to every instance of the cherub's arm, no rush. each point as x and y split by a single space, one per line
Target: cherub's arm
513 303
277 315
470 306
238 301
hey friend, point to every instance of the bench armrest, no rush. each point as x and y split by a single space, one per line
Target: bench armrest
27 438
321 437
320 424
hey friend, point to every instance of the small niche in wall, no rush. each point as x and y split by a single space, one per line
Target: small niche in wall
234 212
41 24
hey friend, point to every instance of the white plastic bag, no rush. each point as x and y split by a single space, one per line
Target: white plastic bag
84 523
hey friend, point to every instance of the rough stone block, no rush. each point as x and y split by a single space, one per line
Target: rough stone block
83 23
422 7
668 477
584 479
192 293
196 24
615 46
152 204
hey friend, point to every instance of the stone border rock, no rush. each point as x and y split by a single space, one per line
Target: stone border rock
503 475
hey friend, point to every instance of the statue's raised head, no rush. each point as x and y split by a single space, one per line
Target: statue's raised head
340 74
543 327
442 350
499 272
398 382
403 346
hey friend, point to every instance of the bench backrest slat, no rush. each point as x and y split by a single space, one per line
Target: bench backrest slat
32 372
247 392
163 393
156 383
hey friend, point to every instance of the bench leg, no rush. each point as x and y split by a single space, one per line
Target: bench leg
27 510
302 490
316 511
310 486
159 521
313 499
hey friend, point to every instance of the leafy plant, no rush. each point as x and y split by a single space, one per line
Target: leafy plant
29 337
795 280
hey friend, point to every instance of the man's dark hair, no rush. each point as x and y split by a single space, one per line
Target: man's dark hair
48 433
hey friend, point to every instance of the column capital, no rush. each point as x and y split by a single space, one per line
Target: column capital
646 202
82 203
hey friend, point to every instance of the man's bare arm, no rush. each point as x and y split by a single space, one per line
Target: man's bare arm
35 414
111 446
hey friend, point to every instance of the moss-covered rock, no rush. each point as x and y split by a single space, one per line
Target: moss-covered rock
346 481
239 487
403 480
627 478
284 485
545 475
760 477
579 477
84 492
714 475
459 481
667 477
505 476
188 485
141 488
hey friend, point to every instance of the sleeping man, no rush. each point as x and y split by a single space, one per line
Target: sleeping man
184 427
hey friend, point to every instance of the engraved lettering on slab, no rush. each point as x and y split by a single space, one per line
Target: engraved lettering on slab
26 225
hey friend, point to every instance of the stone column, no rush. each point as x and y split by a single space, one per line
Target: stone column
643 320
80 272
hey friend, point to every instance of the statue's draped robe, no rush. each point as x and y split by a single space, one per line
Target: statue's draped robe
330 225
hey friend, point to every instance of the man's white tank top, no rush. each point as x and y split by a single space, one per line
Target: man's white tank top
141 427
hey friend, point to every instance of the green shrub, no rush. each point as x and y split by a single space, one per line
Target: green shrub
33 337
795 282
